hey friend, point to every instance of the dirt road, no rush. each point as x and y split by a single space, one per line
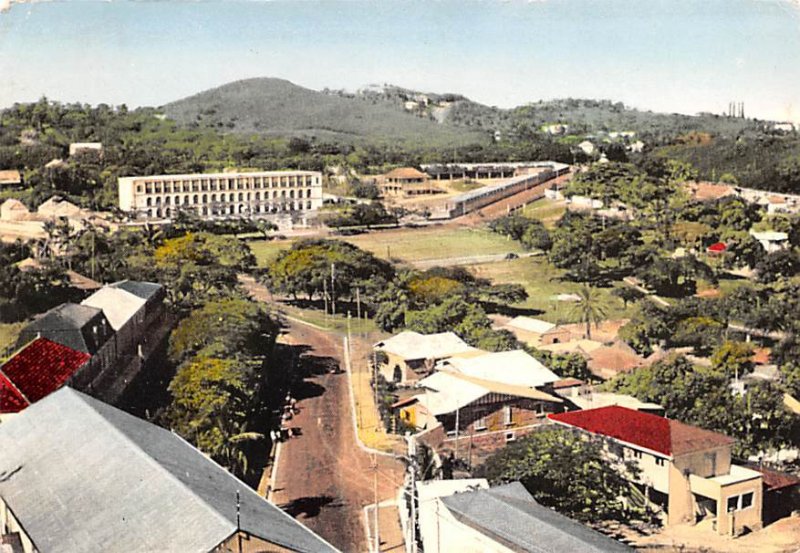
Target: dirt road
323 478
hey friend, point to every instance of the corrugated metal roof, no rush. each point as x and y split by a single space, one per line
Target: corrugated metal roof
413 345
516 368
79 327
82 476
511 516
118 305
144 290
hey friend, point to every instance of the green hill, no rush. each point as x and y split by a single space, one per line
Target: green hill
278 107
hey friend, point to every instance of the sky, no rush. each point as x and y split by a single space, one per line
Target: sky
681 56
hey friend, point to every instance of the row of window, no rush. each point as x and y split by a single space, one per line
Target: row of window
208 185
232 197
230 209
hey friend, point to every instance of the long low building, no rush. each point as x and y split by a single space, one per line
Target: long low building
256 194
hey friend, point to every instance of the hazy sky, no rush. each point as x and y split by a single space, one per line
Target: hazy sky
664 55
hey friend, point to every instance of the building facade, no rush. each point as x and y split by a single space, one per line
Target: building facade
257 194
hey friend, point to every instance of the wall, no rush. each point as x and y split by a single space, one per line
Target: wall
707 463
734 523
10 525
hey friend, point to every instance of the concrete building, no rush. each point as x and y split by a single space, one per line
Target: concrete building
683 469
10 177
258 194
80 475
406 182
84 147
466 516
411 355
124 311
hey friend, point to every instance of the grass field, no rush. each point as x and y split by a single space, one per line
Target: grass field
542 282
412 245
547 211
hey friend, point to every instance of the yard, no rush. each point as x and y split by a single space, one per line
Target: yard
542 282
412 244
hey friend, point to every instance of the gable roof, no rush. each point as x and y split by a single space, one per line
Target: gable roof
511 516
448 393
607 361
658 434
118 305
11 399
42 367
529 324
71 325
516 368
413 345
144 290
78 473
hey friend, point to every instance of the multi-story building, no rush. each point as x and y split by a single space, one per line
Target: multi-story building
256 194
684 469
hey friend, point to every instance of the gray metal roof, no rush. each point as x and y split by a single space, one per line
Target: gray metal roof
510 514
144 290
82 476
79 327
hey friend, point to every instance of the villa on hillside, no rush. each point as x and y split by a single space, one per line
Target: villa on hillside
685 470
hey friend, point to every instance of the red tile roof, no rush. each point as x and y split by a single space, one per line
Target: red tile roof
11 400
406 173
717 247
42 367
647 431
773 479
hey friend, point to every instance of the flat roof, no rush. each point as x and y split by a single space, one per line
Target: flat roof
225 175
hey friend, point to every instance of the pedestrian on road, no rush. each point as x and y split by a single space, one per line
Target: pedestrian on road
293 406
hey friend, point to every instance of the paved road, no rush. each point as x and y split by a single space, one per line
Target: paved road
323 478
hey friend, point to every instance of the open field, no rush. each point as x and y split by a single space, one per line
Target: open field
412 244
547 211
542 281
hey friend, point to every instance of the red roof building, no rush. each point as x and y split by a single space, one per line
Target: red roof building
717 248
11 400
42 367
658 434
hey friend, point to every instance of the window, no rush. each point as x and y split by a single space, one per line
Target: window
507 419
740 502
510 437
480 424
660 462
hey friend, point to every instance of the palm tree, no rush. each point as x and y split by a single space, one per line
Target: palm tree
590 308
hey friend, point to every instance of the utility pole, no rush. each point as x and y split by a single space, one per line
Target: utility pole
358 304
412 466
333 288
457 412
375 498
325 294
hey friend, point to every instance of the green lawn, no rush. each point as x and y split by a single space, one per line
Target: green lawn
336 323
547 211
411 245
542 281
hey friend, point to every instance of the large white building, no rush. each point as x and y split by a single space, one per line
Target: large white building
256 194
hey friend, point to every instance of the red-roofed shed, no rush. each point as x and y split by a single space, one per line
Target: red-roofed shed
717 248
42 367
